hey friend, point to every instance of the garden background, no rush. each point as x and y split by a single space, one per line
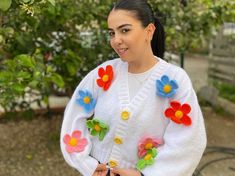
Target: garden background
47 46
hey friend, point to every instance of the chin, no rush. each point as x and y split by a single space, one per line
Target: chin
125 59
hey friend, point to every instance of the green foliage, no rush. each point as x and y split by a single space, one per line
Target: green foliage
47 46
5 4
189 23
26 79
226 91
60 43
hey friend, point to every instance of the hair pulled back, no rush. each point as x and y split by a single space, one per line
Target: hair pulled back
145 15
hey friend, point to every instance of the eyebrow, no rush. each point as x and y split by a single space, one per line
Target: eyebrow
121 26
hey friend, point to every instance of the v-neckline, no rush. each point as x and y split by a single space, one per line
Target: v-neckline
135 102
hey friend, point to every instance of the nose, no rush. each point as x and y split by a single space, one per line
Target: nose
117 40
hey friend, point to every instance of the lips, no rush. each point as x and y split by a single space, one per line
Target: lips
121 51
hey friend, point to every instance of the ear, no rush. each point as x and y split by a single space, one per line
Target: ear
150 31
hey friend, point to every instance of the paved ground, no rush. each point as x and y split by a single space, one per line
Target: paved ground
196 67
31 148
220 133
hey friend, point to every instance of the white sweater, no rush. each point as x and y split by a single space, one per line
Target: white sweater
182 146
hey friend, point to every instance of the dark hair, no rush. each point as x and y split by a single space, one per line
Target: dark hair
144 13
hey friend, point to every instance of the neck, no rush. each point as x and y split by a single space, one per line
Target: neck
142 64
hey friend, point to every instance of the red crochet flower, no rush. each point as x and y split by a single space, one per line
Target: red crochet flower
179 113
106 77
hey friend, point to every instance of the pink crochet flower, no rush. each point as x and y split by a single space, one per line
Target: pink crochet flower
75 143
146 144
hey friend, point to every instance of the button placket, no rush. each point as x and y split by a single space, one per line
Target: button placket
119 136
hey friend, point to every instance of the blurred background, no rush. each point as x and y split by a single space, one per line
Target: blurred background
48 46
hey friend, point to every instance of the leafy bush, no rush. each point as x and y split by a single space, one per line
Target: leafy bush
50 51
47 46
26 78
226 91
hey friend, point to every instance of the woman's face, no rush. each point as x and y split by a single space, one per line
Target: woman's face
127 35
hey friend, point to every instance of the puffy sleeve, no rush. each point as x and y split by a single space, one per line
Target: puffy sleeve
183 144
74 141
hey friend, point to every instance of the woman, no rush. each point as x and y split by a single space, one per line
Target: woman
146 118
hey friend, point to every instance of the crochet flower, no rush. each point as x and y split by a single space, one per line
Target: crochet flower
97 128
148 159
146 144
106 77
86 100
166 87
75 143
179 113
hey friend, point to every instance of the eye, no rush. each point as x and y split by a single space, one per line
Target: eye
125 30
111 33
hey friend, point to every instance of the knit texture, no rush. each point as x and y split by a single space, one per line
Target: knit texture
136 80
182 145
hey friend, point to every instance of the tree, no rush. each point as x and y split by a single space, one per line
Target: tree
47 47
189 22
63 42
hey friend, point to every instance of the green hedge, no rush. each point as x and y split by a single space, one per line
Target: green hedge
47 46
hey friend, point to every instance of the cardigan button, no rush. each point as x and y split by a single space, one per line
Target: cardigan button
125 115
113 163
118 140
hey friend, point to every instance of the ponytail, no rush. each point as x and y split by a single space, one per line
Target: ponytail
158 40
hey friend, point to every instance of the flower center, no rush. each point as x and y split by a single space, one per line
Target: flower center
167 88
97 128
179 114
73 142
148 157
112 163
87 100
105 78
148 146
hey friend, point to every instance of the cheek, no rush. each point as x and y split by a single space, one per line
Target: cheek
111 43
139 43
138 38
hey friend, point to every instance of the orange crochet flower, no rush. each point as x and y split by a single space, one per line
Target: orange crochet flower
106 77
179 113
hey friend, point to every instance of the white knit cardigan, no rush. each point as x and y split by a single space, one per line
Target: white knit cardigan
182 146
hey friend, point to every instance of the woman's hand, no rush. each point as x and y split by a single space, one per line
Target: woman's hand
126 172
101 170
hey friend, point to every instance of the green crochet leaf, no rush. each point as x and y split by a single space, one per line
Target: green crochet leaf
150 162
101 135
94 132
153 152
89 124
96 121
104 128
141 164
103 125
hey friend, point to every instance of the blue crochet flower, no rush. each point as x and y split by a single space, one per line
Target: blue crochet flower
86 100
166 87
